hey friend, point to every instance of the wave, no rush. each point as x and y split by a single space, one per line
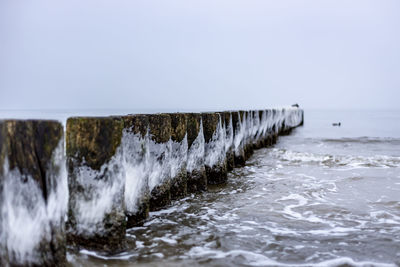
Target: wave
362 140
250 258
256 259
377 161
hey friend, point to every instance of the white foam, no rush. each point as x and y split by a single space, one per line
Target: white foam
100 195
26 219
139 244
159 163
135 162
343 161
239 135
179 156
167 240
256 259
349 261
120 256
195 158
229 135
215 148
252 258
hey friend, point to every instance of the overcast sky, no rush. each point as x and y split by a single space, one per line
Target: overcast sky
204 54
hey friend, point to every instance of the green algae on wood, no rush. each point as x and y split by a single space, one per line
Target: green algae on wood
93 140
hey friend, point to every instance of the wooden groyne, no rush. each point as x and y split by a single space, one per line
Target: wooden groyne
114 171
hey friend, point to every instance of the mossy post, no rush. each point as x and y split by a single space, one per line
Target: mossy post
196 171
261 135
282 124
267 134
215 158
32 180
229 146
253 117
4 257
245 129
283 129
256 129
96 179
273 135
238 139
179 155
160 158
267 120
248 148
137 193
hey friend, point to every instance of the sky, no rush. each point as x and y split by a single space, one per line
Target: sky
199 54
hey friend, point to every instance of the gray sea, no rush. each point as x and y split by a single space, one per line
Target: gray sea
322 196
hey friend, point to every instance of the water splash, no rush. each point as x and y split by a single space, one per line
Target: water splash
293 117
249 128
195 158
103 192
263 126
239 135
343 161
229 135
159 163
256 127
215 149
135 161
179 156
278 119
26 219
270 120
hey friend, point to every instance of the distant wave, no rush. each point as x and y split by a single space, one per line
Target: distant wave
378 161
362 140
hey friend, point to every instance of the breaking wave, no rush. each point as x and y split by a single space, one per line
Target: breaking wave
377 161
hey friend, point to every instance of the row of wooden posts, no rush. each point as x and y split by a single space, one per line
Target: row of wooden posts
115 170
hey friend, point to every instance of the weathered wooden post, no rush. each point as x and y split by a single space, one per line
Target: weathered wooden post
238 139
179 155
248 148
33 193
262 131
196 171
160 160
274 127
135 160
255 129
302 118
215 159
229 146
96 179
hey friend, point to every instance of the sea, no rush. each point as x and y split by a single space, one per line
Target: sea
322 196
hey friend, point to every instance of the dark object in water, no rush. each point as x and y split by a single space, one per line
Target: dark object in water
295 105
336 124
